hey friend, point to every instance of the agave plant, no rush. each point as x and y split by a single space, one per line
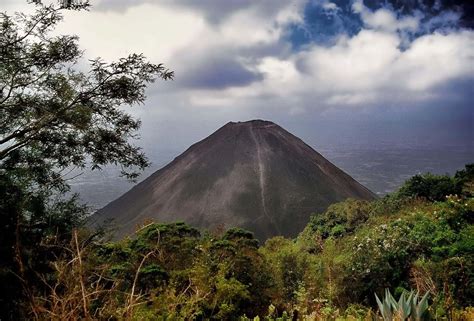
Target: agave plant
386 306
419 308
407 308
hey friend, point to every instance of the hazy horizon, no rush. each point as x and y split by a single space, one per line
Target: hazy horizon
381 166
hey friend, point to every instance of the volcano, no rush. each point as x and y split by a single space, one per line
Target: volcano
253 175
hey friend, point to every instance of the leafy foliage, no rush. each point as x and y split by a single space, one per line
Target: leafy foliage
54 119
340 218
431 187
54 116
173 271
407 307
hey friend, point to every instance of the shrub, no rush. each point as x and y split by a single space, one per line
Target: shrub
431 187
340 218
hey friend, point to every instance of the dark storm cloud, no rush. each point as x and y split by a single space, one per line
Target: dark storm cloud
116 5
212 7
217 72
215 11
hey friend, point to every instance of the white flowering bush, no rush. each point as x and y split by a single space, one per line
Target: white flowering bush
382 256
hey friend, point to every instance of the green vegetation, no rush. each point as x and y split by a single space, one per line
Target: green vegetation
54 119
407 307
421 249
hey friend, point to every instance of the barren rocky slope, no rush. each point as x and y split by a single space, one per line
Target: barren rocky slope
251 174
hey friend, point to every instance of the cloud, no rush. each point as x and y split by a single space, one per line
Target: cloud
445 20
437 58
367 70
158 32
330 6
313 64
207 56
372 60
355 64
218 72
238 54
385 19
215 12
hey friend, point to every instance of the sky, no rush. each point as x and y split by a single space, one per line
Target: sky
330 71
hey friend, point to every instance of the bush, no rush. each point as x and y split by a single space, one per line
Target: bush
431 187
340 218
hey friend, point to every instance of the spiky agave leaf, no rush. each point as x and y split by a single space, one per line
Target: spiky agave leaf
419 309
406 308
413 303
386 306
404 305
380 305
391 300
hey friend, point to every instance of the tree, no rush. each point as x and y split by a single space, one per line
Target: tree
53 118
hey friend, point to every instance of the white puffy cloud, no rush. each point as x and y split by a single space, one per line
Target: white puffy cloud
436 58
357 63
158 32
372 63
385 19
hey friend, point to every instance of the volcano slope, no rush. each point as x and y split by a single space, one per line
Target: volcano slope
253 175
